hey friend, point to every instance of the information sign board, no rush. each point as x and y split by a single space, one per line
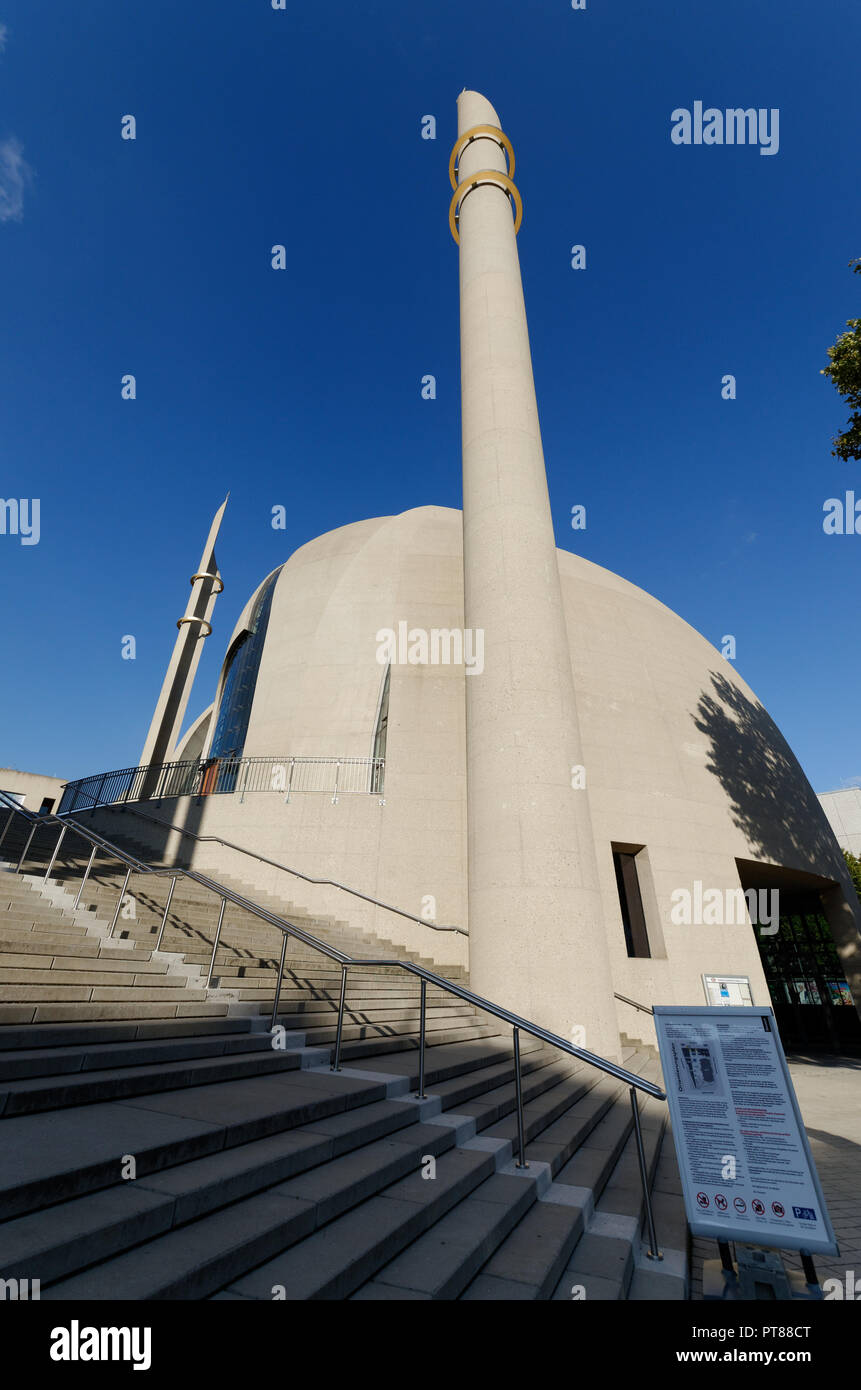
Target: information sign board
745 1162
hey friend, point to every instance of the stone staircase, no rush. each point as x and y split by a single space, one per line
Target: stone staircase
57 965
196 1155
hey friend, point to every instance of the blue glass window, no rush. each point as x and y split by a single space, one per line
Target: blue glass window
237 695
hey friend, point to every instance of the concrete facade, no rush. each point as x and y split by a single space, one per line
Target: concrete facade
680 759
843 809
31 788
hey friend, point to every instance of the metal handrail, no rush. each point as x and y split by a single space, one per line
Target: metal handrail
262 859
517 1024
644 1008
218 775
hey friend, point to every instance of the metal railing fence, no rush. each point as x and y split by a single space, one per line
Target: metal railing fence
225 776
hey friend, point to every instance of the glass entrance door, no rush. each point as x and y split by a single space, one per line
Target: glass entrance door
808 988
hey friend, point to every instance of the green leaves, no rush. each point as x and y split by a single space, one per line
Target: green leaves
844 371
853 864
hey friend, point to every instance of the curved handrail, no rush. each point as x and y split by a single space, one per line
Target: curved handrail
290 929
262 859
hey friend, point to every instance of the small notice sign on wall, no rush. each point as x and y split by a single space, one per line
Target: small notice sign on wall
727 990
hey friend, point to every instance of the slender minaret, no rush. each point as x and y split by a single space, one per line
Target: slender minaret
194 627
536 933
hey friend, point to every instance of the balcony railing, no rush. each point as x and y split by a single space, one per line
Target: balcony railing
226 776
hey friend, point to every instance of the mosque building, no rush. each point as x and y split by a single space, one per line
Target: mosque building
451 716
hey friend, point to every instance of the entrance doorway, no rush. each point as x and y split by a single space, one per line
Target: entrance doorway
811 999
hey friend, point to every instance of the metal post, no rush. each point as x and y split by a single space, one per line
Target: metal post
725 1256
25 849
421 1091
120 901
337 779
215 944
54 855
336 1062
6 826
164 914
98 796
653 1252
809 1268
84 879
280 976
521 1147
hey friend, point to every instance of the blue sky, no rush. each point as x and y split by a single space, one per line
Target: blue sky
302 387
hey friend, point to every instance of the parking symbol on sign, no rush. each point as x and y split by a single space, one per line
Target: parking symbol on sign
804 1213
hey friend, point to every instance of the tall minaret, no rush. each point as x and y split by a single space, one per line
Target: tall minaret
537 942
194 627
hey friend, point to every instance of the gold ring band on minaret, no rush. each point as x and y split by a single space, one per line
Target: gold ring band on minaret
202 621
476 132
202 574
472 181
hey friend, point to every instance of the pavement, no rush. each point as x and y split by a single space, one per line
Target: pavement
829 1094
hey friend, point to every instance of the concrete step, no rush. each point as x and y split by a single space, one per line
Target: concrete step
28 924
114 1219
36 1094
150 990
51 1036
77 954
96 972
96 1056
515 1235
33 1081
198 904
260 1173
440 1263
604 1260
409 1228
61 943
240 1237
46 1158
77 1012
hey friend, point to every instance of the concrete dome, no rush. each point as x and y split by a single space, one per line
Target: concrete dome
681 762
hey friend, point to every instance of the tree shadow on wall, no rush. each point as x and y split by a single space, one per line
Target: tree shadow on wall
773 804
